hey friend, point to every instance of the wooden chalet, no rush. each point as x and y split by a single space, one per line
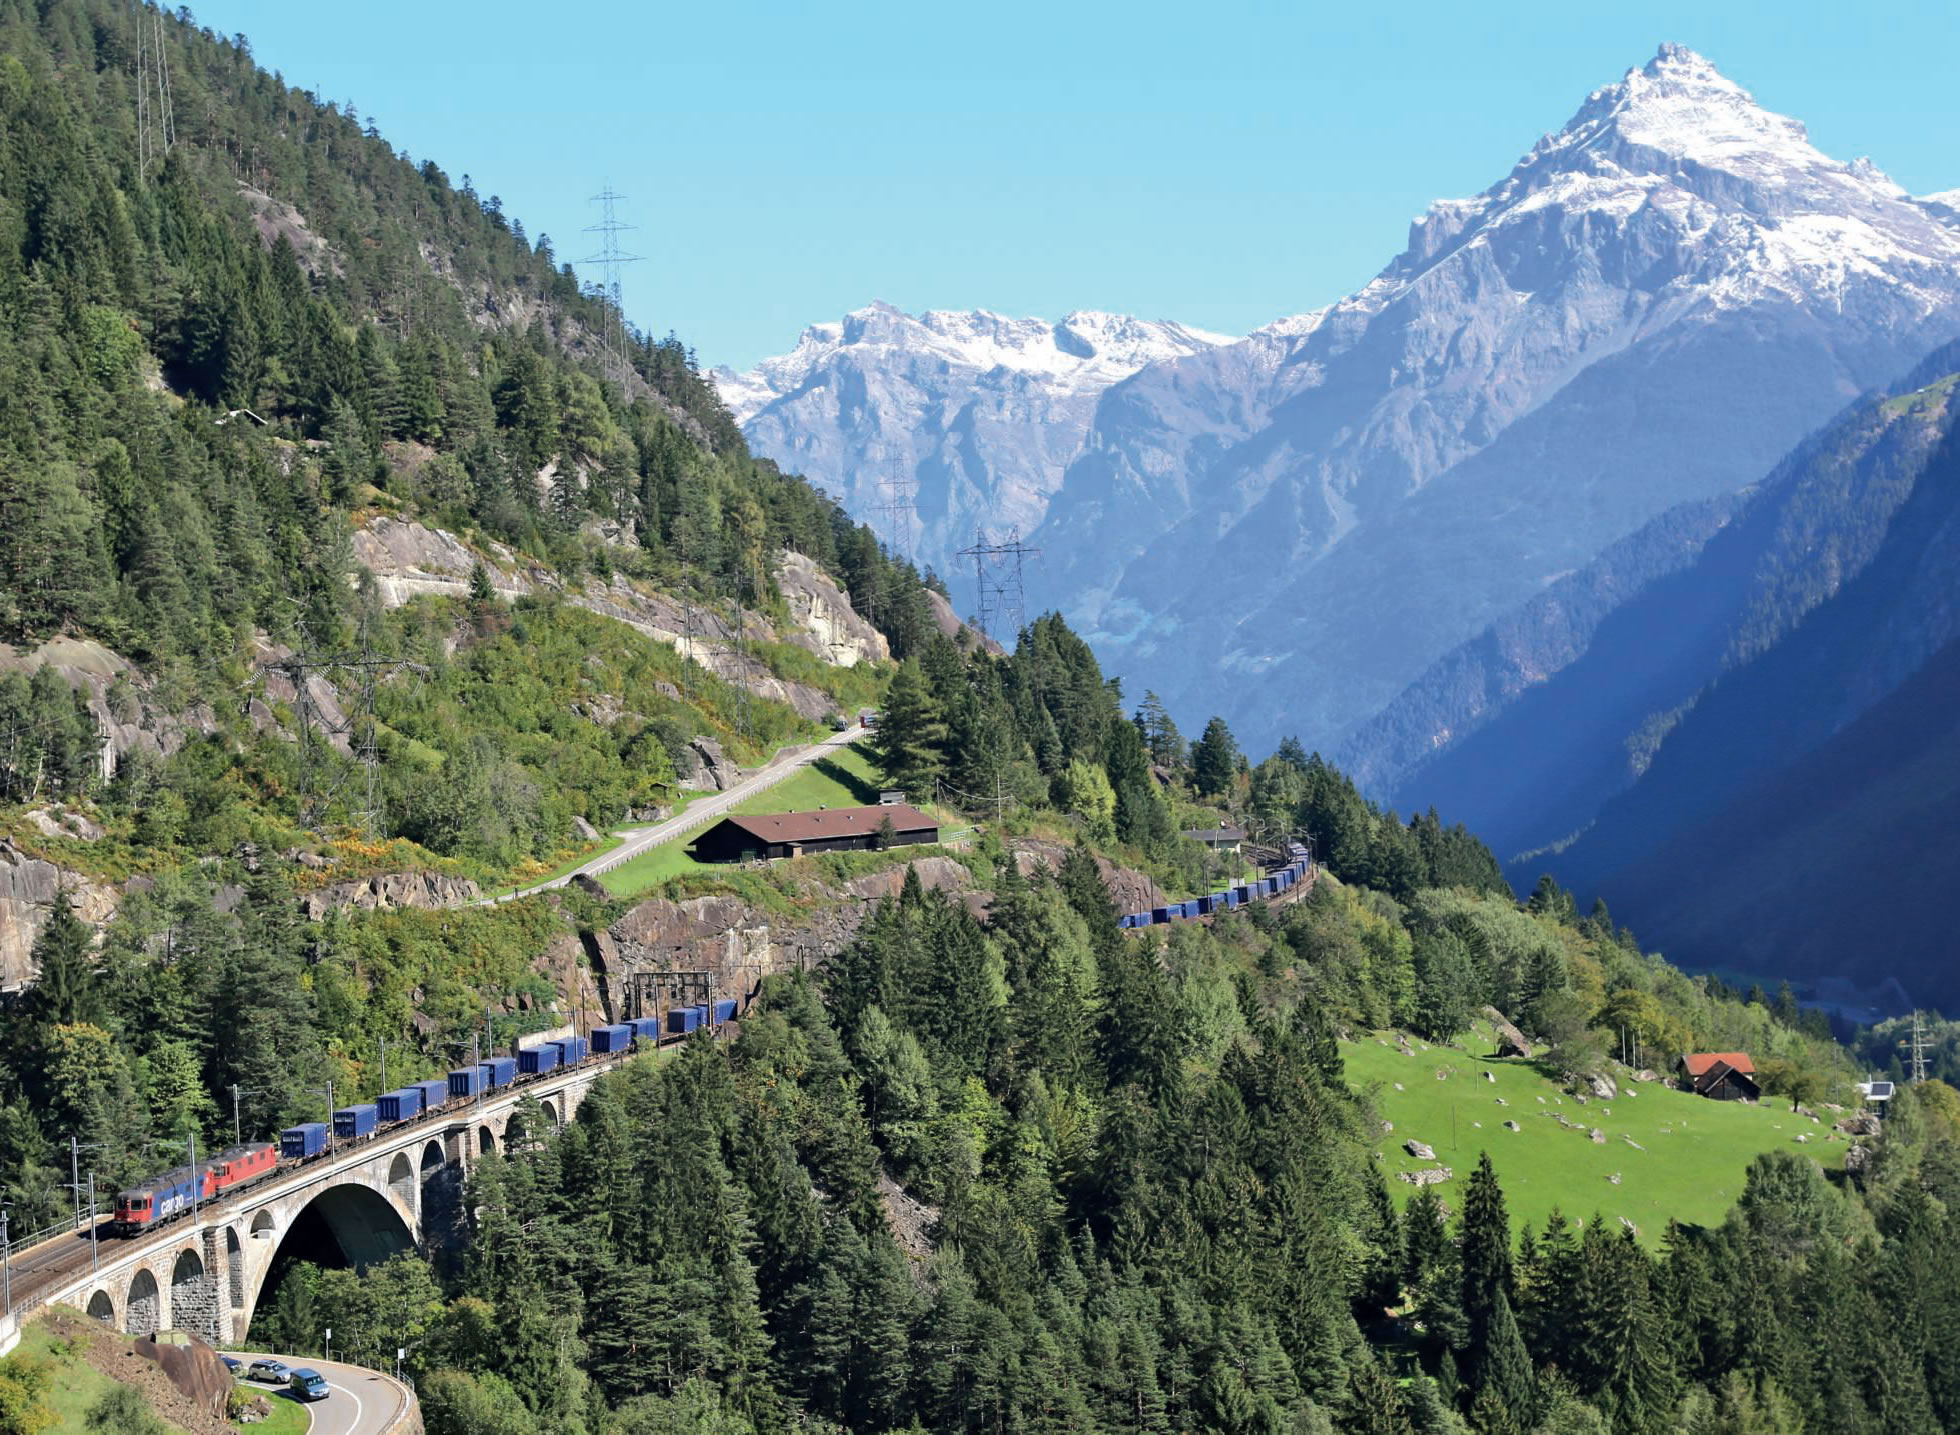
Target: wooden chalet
1219 839
1722 1075
755 836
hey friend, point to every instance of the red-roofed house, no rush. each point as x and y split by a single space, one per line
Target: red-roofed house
1722 1075
746 836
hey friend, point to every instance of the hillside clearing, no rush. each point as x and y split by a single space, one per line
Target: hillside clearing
1689 1163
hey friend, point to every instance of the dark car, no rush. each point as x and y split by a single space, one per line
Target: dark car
308 1385
233 1364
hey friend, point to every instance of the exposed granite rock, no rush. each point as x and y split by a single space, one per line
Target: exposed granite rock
829 626
936 874
1131 890
390 890
1510 1041
711 771
27 891
129 723
410 559
949 623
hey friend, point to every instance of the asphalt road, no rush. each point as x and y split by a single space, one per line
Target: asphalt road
364 1402
700 811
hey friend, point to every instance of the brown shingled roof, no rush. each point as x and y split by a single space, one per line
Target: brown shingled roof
1700 1063
829 822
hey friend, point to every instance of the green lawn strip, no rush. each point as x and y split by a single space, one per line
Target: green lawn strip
1690 1167
650 868
76 1385
846 777
288 1416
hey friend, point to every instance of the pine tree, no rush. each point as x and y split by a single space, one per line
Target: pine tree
909 738
1215 760
1485 1245
65 991
1504 1369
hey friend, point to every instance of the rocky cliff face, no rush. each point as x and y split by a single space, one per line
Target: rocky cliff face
1651 308
738 945
410 559
388 891
117 695
977 414
826 623
27 892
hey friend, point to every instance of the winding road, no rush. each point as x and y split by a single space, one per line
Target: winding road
364 1402
701 811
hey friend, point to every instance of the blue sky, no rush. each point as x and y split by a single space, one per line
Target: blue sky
1221 164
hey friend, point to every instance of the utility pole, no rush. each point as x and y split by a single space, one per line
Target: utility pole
6 1265
381 1045
330 1118
237 1128
94 1254
195 1183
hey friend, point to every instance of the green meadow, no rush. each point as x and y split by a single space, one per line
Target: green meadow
1677 1156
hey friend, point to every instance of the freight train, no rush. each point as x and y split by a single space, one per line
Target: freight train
1276 880
176 1193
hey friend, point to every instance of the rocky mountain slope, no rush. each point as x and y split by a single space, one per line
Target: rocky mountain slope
1733 724
1655 304
977 413
1536 722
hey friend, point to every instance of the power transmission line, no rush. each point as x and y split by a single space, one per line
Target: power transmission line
360 729
610 259
997 574
900 507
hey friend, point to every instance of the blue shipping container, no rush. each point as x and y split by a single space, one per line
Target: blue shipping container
647 1028
1243 891
351 1122
299 1142
574 1049
435 1091
724 1010
684 1019
609 1039
468 1081
1229 899
531 1060
499 1070
399 1105
1160 914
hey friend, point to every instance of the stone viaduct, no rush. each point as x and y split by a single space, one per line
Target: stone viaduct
389 1193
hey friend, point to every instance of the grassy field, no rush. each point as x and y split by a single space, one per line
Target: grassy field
1689 1163
77 1384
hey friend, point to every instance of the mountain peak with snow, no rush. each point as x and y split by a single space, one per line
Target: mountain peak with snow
983 410
1085 351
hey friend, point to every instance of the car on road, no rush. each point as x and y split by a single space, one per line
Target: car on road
308 1385
232 1364
269 1372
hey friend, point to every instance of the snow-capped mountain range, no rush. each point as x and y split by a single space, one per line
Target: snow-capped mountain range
979 414
1654 305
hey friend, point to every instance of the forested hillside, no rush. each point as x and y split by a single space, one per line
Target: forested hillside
224 354
992 1164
